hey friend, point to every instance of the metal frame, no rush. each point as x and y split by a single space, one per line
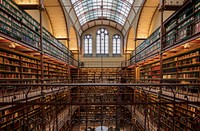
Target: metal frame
11 93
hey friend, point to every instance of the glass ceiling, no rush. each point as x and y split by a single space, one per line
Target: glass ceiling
88 10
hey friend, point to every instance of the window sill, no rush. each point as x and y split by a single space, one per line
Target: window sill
102 55
87 55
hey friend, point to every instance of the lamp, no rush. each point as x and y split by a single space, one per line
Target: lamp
12 45
186 46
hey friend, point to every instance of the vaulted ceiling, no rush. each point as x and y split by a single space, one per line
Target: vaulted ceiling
55 14
115 10
88 13
84 14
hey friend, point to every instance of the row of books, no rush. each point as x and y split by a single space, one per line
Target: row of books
28 117
182 66
15 65
148 52
184 113
21 26
177 29
150 40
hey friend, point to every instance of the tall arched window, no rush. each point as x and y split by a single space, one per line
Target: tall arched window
116 44
102 41
88 44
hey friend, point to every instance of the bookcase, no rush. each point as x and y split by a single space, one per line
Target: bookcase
15 117
182 25
171 36
183 68
150 72
19 25
170 68
19 67
126 75
95 75
97 113
183 115
149 48
180 68
184 30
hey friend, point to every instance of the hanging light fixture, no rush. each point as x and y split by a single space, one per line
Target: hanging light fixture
186 46
12 45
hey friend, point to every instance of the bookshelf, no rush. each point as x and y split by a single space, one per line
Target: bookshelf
19 25
183 115
19 67
149 48
184 30
179 28
183 68
126 75
15 117
95 75
150 71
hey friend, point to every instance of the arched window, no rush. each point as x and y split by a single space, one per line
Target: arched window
88 44
116 44
102 41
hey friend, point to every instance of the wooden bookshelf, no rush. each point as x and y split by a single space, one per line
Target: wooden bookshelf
14 117
183 68
19 67
95 75
179 28
19 25
150 71
184 115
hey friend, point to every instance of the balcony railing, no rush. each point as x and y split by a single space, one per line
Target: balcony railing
50 96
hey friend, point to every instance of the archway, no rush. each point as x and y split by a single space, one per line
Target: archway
130 45
73 44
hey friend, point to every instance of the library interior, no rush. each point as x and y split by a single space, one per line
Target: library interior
99 65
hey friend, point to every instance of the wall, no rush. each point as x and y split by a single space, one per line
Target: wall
96 61
156 22
46 22
36 15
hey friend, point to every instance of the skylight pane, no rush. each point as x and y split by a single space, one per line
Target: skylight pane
116 10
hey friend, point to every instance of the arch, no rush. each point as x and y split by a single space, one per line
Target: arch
130 40
145 18
55 14
73 43
58 21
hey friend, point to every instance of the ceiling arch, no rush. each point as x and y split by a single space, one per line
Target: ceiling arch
130 43
57 18
102 23
146 15
115 13
73 43
55 13
115 10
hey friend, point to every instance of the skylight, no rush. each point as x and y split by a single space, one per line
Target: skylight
88 10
